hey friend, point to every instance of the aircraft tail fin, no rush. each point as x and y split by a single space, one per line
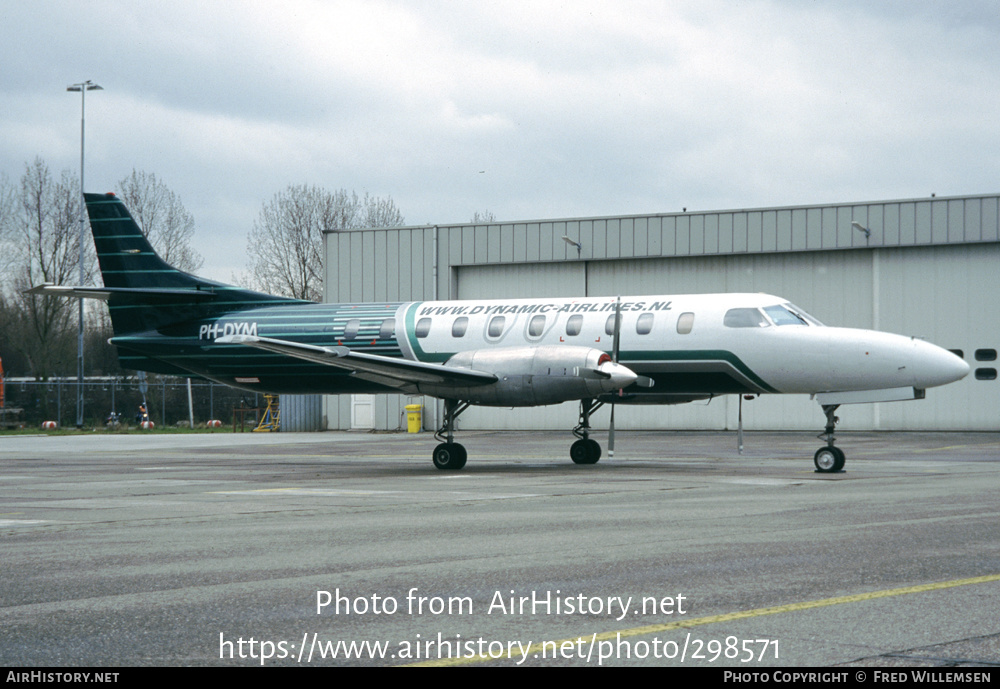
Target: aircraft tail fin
144 292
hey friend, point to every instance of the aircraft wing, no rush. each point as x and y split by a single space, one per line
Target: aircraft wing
397 373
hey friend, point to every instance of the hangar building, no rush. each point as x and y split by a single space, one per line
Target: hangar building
923 267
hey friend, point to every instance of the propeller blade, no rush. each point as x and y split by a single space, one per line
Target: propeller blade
611 433
618 328
614 358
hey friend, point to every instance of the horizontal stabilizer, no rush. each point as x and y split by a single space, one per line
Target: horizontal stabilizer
106 293
399 373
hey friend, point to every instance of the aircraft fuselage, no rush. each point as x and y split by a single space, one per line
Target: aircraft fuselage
689 345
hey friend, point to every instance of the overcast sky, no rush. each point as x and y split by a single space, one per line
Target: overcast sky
525 109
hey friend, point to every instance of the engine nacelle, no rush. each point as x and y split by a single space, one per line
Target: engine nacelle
530 376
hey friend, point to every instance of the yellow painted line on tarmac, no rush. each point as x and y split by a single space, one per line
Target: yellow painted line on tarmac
958 447
319 492
537 648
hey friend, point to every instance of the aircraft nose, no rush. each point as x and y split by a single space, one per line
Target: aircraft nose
621 376
938 366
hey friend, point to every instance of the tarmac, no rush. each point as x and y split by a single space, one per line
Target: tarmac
352 549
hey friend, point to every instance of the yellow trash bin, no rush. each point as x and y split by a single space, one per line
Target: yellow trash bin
413 418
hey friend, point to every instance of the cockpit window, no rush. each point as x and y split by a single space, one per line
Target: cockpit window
802 314
744 318
787 314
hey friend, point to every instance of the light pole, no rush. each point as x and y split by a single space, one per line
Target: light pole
82 88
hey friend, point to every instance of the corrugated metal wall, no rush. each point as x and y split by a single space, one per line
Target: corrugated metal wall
301 413
926 261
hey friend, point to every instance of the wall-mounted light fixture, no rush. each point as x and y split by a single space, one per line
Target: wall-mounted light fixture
571 242
860 228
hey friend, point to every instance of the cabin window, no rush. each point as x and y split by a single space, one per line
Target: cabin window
574 325
644 325
609 325
423 327
459 327
958 352
986 355
387 330
495 328
351 329
744 318
684 323
986 374
536 326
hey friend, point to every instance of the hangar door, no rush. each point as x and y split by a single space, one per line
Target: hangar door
887 289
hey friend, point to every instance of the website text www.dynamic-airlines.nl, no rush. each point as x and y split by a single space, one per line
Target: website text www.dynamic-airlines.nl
595 648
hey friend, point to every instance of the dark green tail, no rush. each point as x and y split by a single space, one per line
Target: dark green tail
148 293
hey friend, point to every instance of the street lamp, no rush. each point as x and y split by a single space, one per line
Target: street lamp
82 88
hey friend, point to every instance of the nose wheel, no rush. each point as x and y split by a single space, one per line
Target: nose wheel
829 459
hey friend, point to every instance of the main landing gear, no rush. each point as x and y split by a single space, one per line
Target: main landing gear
585 450
829 459
449 455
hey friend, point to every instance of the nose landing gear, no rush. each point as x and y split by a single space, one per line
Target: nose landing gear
829 459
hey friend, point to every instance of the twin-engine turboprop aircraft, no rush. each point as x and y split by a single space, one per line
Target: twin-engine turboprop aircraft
507 353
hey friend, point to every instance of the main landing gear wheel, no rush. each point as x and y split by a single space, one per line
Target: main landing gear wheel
450 456
829 460
585 451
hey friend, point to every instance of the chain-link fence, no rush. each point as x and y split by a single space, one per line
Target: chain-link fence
166 400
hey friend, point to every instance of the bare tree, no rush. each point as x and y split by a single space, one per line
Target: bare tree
286 242
162 217
7 196
41 232
484 217
379 212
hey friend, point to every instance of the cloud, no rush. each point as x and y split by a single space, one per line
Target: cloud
529 110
